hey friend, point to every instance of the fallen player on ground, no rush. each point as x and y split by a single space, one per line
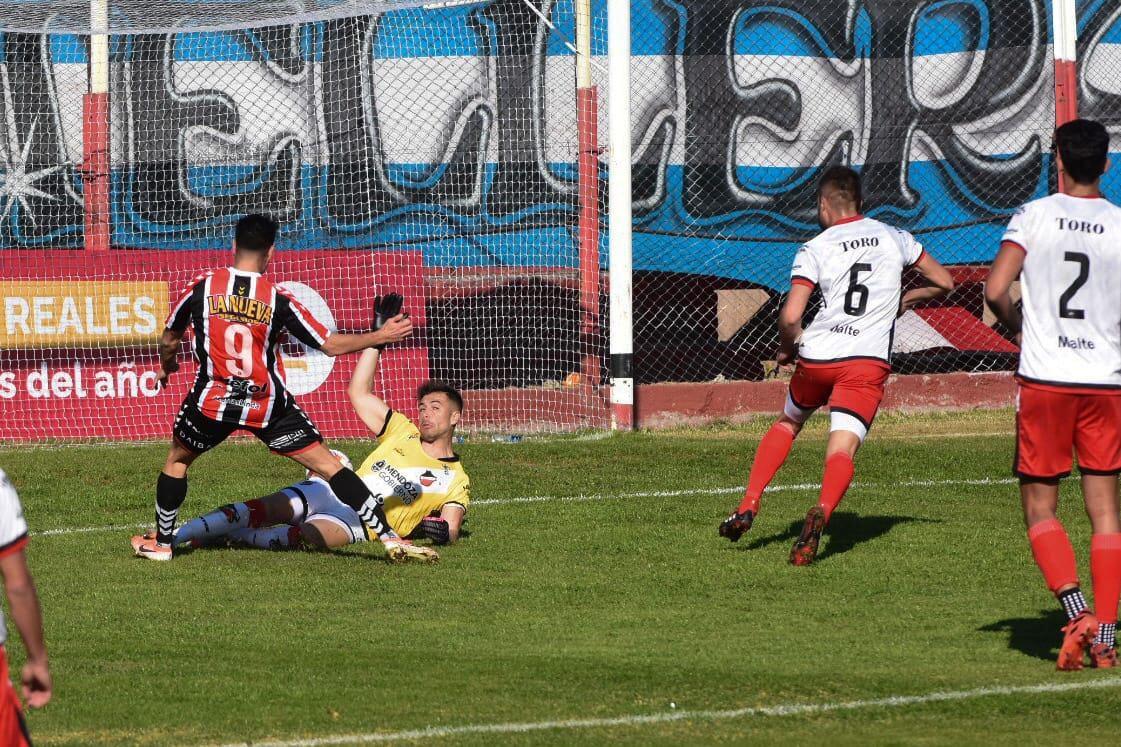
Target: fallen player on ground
425 489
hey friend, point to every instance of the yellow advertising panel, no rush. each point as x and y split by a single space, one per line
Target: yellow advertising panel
83 313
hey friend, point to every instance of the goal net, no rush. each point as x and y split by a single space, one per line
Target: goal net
428 148
456 151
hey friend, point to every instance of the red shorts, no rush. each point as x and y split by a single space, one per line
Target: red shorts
13 730
1050 424
853 388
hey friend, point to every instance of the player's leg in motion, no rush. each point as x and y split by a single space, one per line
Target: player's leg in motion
805 395
1054 554
855 396
349 488
835 481
1101 495
282 507
769 457
171 491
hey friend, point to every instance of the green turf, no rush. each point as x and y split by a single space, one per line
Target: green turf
611 606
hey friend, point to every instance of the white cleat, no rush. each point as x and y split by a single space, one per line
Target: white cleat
403 551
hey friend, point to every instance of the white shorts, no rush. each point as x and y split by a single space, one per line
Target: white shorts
323 505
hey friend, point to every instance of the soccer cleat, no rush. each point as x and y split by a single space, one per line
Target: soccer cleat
1103 656
735 525
805 549
145 546
1077 635
402 551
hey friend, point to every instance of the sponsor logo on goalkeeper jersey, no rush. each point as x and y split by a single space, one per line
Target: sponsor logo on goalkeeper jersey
58 313
239 309
403 487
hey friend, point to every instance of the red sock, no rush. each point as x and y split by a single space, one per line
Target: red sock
1053 554
257 512
835 481
1105 571
772 452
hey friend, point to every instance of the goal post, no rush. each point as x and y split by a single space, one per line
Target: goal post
95 132
620 216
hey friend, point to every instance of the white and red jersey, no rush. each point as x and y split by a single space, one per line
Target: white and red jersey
13 531
239 319
858 264
1071 291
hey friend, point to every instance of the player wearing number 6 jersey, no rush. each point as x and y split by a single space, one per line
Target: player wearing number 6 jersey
844 355
1066 249
239 317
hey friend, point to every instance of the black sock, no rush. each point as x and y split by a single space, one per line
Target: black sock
1073 602
170 494
1107 633
353 492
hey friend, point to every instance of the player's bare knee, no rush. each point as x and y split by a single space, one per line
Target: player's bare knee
319 459
323 535
843 441
178 460
1040 499
790 424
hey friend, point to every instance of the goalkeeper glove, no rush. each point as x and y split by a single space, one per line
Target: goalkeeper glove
385 308
433 528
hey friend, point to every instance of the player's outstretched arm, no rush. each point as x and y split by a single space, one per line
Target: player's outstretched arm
169 351
394 330
998 287
24 603
371 408
790 322
939 278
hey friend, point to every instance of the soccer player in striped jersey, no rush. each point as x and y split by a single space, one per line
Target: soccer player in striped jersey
843 357
24 604
425 488
1066 250
238 318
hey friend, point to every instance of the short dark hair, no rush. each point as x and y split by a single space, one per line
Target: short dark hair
843 183
440 387
256 233
1083 145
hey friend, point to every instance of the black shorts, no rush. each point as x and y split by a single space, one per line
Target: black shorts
289 432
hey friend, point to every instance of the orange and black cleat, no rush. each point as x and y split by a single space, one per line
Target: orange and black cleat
735 525
1077 635
805 549
1103 656
145 546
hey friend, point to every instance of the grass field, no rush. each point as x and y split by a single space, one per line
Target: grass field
592 591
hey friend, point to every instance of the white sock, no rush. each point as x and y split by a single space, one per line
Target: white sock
209 527
280 537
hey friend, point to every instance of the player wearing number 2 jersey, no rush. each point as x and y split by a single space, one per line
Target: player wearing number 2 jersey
844 354
238 318
1066 249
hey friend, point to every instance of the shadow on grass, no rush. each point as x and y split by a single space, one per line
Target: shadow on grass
844 532
1037 636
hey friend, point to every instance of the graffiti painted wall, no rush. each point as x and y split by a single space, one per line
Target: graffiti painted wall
452 132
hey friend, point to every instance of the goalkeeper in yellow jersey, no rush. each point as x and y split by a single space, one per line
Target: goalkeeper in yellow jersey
425 489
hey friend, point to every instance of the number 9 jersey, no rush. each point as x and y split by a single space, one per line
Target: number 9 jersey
239 318
1071 291
858 264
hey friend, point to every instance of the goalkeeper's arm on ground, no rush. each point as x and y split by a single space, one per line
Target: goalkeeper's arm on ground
441 529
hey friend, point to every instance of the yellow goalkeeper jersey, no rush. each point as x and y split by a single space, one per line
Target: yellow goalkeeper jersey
412 484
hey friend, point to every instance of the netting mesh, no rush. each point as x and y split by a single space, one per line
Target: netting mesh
431 150
946 109
434 147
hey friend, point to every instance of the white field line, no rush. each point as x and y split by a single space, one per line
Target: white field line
782 709
604 497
